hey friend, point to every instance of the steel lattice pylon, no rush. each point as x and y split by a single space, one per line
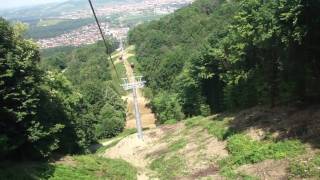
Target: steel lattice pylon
135 83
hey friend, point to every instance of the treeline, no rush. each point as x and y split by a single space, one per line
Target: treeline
218 55
62 107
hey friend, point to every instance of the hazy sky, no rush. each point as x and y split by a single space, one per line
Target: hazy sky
6 4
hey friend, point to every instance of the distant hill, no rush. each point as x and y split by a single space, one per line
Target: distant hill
54 9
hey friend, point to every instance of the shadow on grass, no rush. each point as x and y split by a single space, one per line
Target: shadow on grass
285 122
26 170
95 147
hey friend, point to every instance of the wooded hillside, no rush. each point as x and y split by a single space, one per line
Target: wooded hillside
62 106
218 55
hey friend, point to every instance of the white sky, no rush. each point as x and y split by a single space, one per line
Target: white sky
6 4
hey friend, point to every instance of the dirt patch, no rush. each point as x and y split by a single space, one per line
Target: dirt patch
215 147
268 169
211 170
257 133
153 134
175 128
200 152
158 152
134 150
280 123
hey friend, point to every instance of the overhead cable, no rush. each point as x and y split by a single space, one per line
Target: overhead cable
103 38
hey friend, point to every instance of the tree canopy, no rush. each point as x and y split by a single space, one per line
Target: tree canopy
61 103
231 55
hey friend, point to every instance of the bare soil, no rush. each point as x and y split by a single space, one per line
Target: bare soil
147 117
201 152
268 169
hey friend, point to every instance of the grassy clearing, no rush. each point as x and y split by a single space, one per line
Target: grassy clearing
115 83
305 168
169 168
87 167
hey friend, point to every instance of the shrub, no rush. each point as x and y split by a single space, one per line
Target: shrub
111 122
170 121
147 92
205 110
245 150
166 107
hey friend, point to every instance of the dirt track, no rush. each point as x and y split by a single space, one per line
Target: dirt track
147 117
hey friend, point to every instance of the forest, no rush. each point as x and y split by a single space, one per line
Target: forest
220 55
233 86
60 103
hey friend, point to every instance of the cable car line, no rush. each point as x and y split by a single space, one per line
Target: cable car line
103 38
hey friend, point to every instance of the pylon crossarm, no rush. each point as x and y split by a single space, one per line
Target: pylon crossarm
133 85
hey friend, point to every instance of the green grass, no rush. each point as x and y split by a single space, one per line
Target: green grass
244 150
179 144
121 69
102 149
306 168
170 122
88 167
117 81
123 134
169 168
131 49
216 126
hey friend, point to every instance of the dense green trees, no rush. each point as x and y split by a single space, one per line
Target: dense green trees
167 107
64 106
20 81
233 54
89 71
32 108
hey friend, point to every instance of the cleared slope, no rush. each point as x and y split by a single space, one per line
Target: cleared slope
214 148
147 117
